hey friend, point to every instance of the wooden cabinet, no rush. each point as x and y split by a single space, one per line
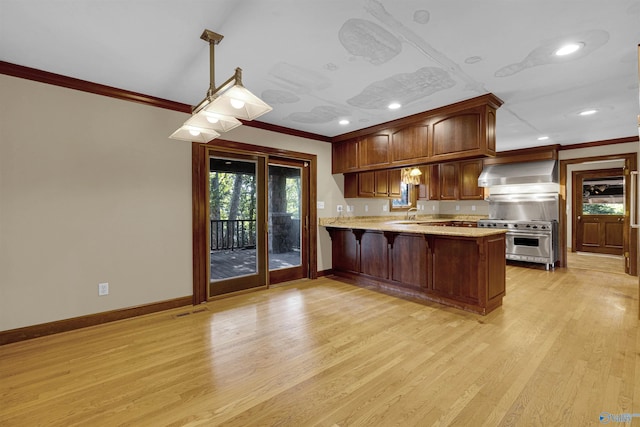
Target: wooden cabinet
373 150
373 184
448 181
451 181
468 180
344 157
465 130
409 145
460 271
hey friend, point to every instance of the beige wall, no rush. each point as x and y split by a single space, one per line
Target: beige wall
92 190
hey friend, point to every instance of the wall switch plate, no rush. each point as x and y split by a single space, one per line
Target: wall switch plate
320 205
366 208
339 208
349 208
103 289
473 208
457 207
385 208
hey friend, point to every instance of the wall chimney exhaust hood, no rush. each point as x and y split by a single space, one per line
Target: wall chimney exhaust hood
538 172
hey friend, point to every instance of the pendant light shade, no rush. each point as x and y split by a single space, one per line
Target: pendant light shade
213 121
223 106
239 102
194 134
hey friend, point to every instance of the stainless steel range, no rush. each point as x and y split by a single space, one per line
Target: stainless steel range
524 201
531 241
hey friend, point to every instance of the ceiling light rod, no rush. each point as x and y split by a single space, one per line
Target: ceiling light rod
213 39
237 78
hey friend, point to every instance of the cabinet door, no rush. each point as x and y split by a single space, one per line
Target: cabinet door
410 144
448 177
350 185
344 156
395 180
456 135
367 184
469 173
434 182
381 183
373 150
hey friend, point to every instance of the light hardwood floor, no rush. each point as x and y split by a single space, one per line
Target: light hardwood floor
563 349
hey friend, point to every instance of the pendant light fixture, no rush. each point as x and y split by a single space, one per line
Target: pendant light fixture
223 106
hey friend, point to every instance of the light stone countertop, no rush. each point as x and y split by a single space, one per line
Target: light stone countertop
400 225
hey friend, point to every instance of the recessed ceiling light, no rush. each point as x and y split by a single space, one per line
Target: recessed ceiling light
587 112
344 122
394 106
543 138
569 49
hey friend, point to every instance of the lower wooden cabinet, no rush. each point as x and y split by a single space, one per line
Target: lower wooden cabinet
464 272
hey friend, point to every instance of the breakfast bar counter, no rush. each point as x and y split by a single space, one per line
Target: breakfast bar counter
463 267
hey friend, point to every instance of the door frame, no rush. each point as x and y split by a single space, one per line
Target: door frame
200 200
630 164
577 201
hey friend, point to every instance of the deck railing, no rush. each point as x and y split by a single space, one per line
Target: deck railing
241 234
232 234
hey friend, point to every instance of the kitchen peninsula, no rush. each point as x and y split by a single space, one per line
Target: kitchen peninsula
463 267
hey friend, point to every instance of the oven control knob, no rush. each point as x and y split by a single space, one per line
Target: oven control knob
528 225
515 225
535 226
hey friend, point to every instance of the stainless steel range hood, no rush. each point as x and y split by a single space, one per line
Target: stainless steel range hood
538 172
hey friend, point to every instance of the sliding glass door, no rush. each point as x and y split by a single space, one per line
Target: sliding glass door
236 223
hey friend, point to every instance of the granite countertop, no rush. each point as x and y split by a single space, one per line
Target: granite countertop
417 226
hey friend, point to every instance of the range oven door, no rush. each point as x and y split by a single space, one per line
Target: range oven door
534 247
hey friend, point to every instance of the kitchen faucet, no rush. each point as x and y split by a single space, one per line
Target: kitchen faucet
409 215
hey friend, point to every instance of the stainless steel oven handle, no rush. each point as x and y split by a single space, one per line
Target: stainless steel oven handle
529 234
634 199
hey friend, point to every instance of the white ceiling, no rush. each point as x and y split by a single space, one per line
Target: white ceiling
318 61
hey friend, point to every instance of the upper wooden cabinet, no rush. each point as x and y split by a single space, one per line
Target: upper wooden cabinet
373 184
374 150
410 144
344 157
451 181
468 180
465 130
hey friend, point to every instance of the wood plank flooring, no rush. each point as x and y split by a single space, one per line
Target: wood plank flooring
562 350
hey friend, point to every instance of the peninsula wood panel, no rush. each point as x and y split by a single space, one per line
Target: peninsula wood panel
453 272
374 255
464 272
345 243
409 260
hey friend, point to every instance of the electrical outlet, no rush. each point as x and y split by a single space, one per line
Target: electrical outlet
366 208
473 208
385 208
339 208
457 207
103 289
349 208
320 204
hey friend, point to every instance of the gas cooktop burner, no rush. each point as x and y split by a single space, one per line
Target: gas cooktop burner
517 224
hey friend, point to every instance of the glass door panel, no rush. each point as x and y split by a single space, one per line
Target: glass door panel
288 212
235 239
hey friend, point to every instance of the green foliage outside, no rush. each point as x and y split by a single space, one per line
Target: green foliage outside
603 209
232 196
